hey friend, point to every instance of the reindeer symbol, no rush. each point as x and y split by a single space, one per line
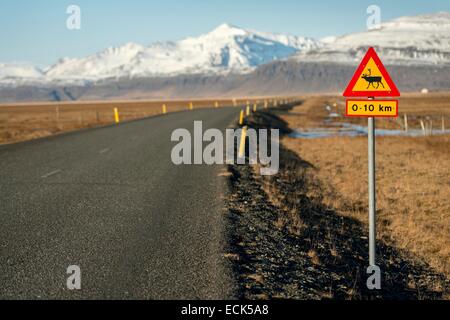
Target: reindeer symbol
371 80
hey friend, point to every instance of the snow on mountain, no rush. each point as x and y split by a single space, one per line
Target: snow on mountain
108 63
417 40
225 49
12 73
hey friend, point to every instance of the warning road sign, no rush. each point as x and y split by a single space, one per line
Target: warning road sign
371 79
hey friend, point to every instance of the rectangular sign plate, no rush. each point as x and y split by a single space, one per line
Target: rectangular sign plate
371 108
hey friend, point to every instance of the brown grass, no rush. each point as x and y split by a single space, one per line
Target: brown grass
25 121
289 219
413 178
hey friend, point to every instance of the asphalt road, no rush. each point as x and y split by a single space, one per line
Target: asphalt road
110 201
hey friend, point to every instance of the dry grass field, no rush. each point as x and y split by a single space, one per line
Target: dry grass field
431 108
413 174
19 122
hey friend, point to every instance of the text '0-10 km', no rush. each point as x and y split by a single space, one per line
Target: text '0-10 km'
371 108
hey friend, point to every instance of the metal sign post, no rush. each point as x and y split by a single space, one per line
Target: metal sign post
372 198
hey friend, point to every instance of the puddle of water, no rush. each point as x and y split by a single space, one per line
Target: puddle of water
352 130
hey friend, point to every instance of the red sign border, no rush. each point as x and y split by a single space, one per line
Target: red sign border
371 54
375 116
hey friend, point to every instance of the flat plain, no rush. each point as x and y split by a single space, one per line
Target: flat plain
26 121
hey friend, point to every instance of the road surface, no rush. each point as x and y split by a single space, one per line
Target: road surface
110 201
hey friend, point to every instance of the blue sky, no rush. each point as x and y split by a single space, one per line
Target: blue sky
35 31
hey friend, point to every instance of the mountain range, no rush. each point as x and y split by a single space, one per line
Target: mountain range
226 49
229 59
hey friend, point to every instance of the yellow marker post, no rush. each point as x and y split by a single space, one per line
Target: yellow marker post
255 107
247 113
164 109
216 104
241 118
191 106
242 144
116 115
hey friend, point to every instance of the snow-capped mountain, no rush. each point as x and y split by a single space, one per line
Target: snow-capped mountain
226 49
416 40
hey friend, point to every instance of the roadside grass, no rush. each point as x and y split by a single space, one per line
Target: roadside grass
413 178
413 194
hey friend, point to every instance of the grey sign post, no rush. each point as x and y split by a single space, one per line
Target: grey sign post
374 280
372 196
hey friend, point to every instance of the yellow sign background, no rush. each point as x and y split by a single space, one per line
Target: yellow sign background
362 84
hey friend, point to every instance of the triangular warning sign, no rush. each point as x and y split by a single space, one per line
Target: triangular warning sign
371 79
